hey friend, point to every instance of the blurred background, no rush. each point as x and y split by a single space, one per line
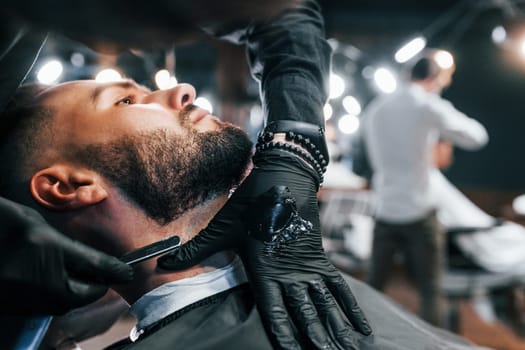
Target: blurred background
484 37
371 40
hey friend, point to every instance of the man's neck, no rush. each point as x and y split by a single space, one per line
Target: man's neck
119 227
429 85
149 277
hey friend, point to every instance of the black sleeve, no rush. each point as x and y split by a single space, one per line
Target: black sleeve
290 58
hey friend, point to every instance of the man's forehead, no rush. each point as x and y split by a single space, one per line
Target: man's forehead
71 87
87 87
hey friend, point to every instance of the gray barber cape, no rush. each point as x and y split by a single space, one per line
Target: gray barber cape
229 320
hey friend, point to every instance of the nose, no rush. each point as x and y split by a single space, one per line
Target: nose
181 96
177 97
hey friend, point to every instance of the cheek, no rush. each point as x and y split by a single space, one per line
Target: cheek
147 119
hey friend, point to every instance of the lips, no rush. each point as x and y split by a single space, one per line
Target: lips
198 115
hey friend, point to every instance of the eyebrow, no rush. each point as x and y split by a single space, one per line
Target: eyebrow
124 84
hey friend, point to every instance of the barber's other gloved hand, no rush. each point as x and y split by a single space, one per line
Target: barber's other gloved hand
44 272
303 300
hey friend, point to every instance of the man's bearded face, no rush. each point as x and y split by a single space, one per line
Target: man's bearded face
167 173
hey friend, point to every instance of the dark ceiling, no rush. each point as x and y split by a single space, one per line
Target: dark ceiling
443 22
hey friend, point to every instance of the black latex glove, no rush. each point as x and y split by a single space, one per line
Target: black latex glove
296 288
44 272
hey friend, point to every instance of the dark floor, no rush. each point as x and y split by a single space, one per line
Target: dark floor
491 333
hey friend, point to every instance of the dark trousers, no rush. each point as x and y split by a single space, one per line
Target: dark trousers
422 244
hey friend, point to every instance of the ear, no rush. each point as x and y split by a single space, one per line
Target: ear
66 187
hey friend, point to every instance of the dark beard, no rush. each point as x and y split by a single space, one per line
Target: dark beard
166 174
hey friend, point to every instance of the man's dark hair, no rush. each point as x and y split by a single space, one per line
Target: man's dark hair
424 68
25 126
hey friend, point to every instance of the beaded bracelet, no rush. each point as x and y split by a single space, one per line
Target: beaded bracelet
309 152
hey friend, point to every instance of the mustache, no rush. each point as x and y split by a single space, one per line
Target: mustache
185 113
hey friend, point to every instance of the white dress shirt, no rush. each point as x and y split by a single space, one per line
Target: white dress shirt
400 132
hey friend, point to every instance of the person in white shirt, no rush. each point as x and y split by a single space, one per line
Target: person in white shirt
401 131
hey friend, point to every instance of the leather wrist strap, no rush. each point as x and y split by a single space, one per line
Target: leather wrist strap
309 138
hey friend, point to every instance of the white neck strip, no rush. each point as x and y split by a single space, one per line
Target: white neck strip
173 296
